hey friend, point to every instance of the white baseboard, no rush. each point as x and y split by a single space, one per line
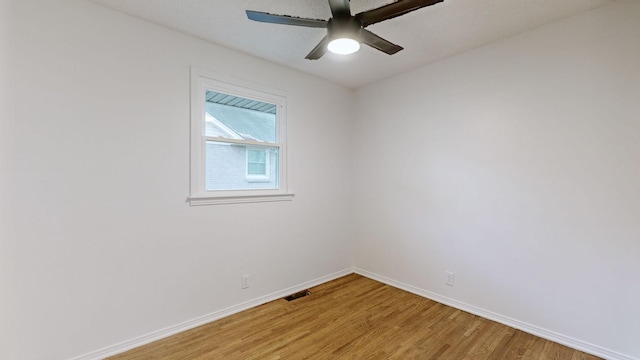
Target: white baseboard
187 325
528 328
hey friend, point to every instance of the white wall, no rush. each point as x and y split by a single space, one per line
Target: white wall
516 166
4 141
102 246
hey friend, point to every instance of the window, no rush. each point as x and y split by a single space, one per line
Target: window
238 147
258 164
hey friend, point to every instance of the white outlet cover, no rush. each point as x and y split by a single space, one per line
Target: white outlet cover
450 278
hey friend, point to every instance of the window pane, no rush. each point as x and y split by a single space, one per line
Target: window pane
228 168
258 156
256 169
235 117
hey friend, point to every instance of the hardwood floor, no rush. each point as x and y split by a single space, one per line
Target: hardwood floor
354 318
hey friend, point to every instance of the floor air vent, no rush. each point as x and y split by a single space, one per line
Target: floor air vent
298 295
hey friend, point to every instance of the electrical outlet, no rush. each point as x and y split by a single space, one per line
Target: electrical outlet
245 281
450 278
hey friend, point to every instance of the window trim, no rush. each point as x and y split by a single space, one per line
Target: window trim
201 81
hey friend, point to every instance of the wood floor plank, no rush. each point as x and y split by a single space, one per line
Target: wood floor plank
354 317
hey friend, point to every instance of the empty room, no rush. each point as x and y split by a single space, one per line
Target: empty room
464 184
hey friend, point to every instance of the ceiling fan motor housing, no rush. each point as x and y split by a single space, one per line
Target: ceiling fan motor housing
344 27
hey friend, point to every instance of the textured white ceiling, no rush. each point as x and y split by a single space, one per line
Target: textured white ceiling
427 35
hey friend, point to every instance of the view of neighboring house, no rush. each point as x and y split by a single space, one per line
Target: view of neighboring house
233 166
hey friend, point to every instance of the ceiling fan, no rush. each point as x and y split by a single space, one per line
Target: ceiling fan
345 32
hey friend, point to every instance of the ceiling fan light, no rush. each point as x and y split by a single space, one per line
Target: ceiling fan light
343 46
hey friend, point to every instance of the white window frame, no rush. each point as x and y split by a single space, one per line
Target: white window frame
201 81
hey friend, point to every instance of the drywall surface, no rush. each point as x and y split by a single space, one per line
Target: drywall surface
516 167
103 246
5 327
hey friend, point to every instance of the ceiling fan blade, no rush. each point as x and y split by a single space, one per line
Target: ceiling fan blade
285 19
392 10
319 50
340 8
378 43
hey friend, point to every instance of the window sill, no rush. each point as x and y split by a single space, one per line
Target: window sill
258 180
242 199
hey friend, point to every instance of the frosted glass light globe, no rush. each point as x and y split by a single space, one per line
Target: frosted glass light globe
343 46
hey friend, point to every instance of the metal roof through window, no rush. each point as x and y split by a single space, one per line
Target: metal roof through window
240 102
